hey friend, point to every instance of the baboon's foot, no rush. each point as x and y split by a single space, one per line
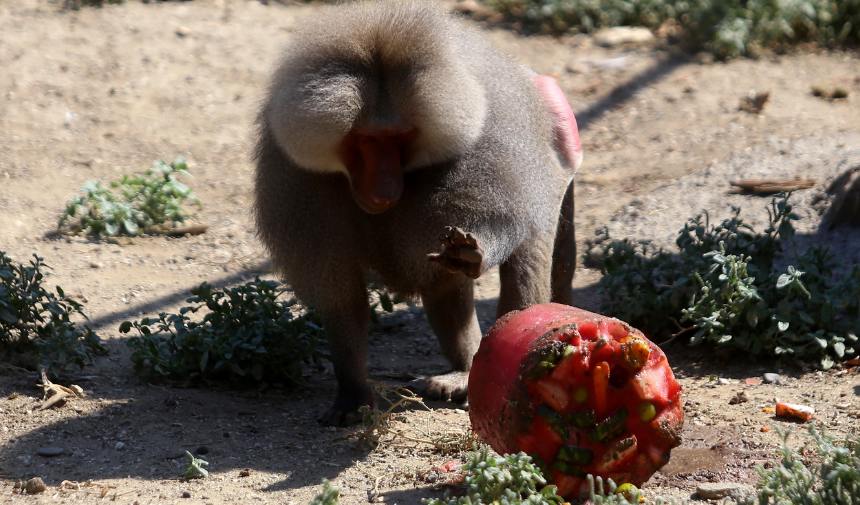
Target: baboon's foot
345 409
451 386
460 253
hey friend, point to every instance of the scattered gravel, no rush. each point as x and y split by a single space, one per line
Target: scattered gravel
660 215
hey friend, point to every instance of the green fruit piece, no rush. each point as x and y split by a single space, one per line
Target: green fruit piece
580 395
568 468
583 419
542 368
576 455
611 427
647 412
629 492
548 362
554 420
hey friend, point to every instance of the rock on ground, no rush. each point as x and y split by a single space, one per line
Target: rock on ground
718 490
621 35
35 486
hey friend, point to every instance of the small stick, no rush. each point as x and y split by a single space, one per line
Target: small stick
773 185
676 335
188 230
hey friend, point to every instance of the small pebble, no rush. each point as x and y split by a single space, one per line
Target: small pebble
839 92
35 486
723 382
119 446
49 451
183 31
770 378
186 494
621 35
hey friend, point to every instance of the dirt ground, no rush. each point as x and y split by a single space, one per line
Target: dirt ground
101 92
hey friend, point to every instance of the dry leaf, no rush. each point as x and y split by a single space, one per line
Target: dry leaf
754 102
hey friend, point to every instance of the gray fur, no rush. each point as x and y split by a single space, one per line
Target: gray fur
484 162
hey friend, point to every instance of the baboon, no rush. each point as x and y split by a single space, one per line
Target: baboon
386 125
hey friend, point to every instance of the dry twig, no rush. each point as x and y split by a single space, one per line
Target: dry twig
380 432
768 186
56 395
754 102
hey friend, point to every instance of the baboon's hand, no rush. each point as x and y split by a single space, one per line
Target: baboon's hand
460 253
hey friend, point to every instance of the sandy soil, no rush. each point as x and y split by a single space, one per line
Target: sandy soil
101 92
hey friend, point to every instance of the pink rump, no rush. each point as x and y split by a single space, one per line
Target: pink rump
563 120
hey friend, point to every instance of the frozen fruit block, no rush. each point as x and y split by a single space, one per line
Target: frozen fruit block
580 392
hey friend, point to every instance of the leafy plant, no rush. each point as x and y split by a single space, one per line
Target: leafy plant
246 335
34 320
149 203
194 468
328 496
726 28
510 480
723 281
626 494
779 316
831 478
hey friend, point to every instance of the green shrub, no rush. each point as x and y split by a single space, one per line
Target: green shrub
246 336
194 468
36 321
727 28
149 203
328 496
723 282
830 476
510 480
